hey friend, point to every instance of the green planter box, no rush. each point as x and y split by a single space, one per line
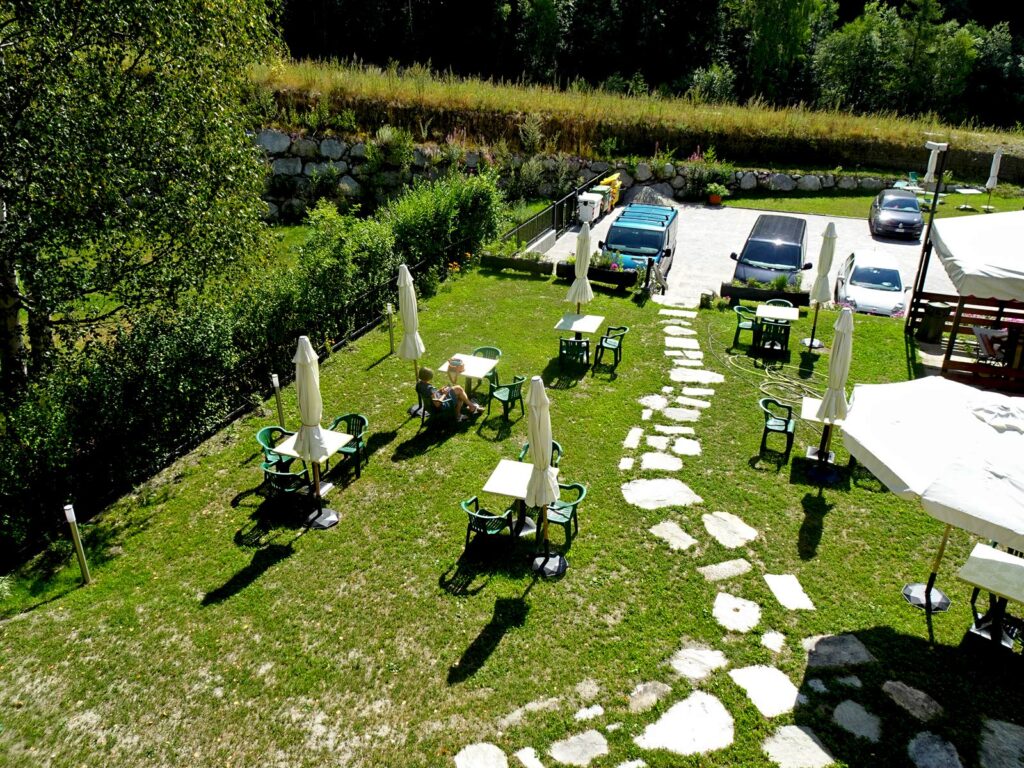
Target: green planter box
498 263
736 293
620 278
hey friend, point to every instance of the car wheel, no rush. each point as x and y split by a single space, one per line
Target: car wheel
835 293
871 227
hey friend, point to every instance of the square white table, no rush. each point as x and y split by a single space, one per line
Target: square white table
333 442
776 312
1002 576
579 323
477 368
510 478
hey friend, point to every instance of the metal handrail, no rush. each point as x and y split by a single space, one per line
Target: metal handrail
558 216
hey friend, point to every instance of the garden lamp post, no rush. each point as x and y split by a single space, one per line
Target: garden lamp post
277 396
69 513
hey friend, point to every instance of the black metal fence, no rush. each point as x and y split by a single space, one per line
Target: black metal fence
558 216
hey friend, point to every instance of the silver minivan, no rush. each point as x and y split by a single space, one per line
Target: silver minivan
776 246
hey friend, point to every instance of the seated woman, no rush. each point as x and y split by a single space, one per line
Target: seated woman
452 396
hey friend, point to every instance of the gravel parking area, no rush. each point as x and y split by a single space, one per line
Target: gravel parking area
708 234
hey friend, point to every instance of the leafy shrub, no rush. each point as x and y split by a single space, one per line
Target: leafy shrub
390 148
713 85
531 134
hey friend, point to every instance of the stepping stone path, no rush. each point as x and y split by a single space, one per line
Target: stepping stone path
481 755
678 330
686 446
685 375
698 392
657 402
796 746
696 725
728 530
673 429
658 442
580 749
516 717
816 685
767 688
1002 745
727 570
646 695
658 493
528 757
696 662
688 313
675 536
774 641
625 463
825 651
693 402
681 414
633 438
633 764
735 613
675 342
788 592
852 717
662 461
917 703
850 681
926 750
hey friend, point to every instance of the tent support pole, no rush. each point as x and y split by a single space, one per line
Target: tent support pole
952 334
926 249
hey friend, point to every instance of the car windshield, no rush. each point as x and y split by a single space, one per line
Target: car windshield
771 254
878 278
901 204
634 240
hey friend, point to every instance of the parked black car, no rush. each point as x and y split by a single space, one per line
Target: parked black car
776 247
896 213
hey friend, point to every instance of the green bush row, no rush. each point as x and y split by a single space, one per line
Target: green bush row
113 412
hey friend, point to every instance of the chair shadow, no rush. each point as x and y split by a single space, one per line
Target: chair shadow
778 458
271 519
484 557
815 509
263 560
497 428
426 438
558 376
509 612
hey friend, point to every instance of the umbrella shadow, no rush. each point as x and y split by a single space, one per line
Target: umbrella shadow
481 560
862 477
269 521
808 360
815 509
810 472
263 560
509 612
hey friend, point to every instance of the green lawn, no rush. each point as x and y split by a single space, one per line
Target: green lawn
857 205
220 632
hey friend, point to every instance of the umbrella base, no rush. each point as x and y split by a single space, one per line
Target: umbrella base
915 595
322 519
984 632
549 566
812 453
812 343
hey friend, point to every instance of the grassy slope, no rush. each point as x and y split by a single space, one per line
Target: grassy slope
857 206
219 632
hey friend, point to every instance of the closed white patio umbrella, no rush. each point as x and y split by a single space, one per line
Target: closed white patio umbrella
542 488
309 443
411 347
820 292
580 290
833 405
993 176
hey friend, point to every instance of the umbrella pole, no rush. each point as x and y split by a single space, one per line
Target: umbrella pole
321 518
935 568
814 325
920 595
577 307
544 563
826 442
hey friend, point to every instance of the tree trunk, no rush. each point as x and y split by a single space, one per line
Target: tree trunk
12 334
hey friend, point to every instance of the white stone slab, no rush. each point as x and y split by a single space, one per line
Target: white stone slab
691 402
612 727
678 330
528 757
660 461
852 717
926 750
589 713
727 570
773 641
701 376
728 530
482 755
678 313
797 746
788 592
917 703
646 695
673 429
735 613
580 749
698 392
676 342
835 651
1002 745
767 688
646 413
673 535
541 705
688 363
686 446
696 725
668 390
633 764
659 442
696 662
681 414
657 402
658 493
674 352
633 438
625 463
816 685
675 321
693 354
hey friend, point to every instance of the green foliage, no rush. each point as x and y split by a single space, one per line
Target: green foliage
531 134
778 30
714 188
608 148
390 148
713 85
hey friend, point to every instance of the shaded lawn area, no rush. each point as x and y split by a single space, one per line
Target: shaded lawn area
219 631
858 205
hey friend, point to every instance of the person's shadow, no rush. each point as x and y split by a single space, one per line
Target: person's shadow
508 612
815 509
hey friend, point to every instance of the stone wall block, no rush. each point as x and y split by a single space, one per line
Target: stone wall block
305 148
287 166
332 149
809 183
273 141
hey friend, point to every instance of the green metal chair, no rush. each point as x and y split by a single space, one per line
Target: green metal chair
773 337
564 511
491 353
779 303
507 395
556 452
612 340
355 425
778 417
746 320
483 521
268 437
283 480
574 351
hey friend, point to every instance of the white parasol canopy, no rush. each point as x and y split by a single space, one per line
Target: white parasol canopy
580 291
542 488
411 347
820 291
309 443
833 404
993 174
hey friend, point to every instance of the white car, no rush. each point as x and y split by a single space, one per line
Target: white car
870 283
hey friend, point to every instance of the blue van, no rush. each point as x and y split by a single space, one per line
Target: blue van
642 232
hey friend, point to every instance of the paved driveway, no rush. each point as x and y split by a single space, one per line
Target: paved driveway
707 235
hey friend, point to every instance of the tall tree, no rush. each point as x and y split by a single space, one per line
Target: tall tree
779 31
125 173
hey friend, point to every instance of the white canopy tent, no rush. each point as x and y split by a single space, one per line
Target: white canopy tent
983 255
957 449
